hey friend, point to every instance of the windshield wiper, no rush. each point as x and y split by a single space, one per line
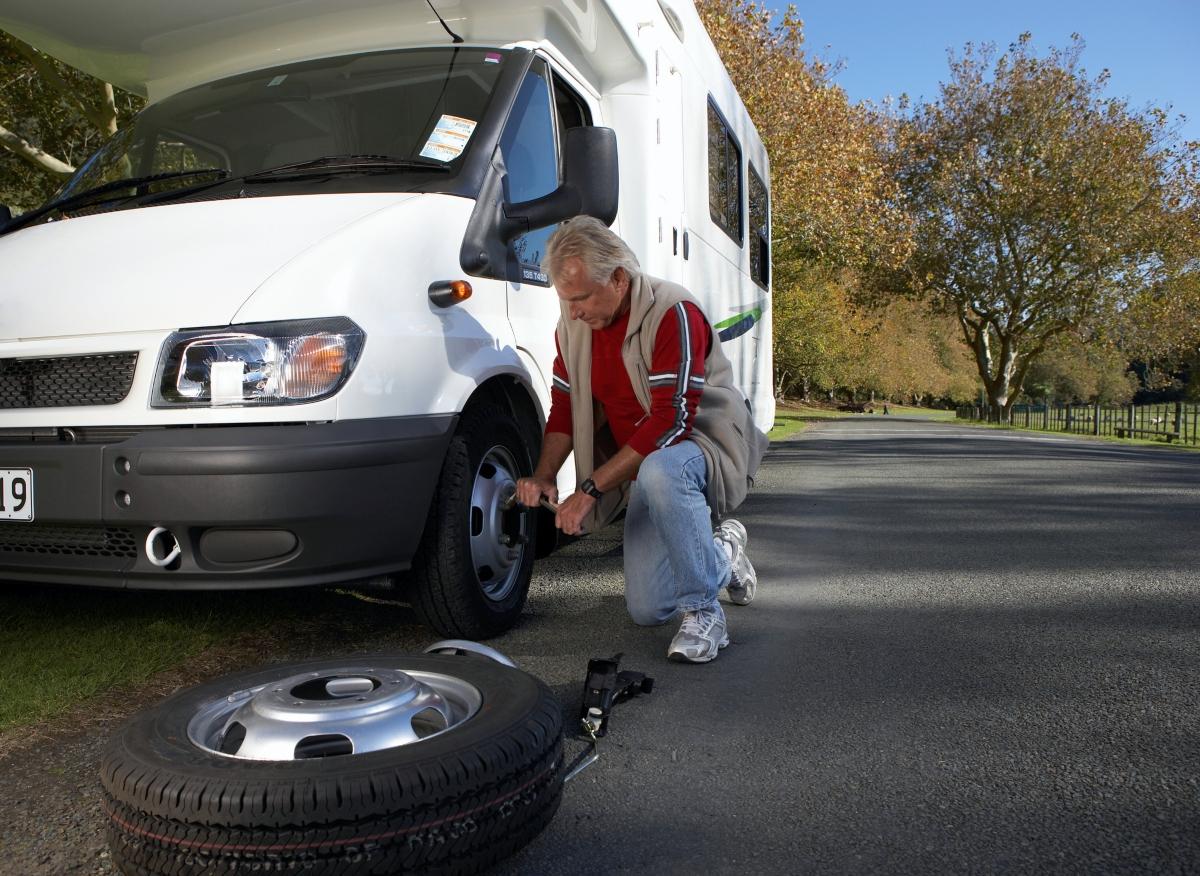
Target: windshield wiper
116 188
329 165
343 164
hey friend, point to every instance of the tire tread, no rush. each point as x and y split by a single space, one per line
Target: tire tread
442 585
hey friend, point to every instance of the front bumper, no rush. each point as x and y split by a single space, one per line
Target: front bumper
250 506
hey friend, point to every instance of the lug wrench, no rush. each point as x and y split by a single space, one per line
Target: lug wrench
510 500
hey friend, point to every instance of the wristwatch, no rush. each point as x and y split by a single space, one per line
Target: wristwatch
589 487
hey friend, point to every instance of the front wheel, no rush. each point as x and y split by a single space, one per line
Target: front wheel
471 575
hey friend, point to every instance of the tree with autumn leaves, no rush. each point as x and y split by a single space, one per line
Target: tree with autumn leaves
1023 208
835 211
837 220
1041 208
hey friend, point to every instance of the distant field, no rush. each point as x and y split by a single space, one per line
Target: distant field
923 413
790 419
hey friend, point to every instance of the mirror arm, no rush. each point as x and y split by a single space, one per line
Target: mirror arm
562 203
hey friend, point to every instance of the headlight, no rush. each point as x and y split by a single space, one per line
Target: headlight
266 363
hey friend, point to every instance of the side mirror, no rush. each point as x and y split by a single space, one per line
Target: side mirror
590 186
5 215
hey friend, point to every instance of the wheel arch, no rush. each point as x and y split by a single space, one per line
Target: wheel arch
515 395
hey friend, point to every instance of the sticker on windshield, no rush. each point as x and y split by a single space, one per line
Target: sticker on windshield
449 138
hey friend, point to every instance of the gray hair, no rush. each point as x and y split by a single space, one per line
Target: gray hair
590 240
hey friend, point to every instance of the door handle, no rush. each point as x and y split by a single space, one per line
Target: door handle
674 241
685 246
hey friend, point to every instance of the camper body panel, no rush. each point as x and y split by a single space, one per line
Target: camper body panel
374 268
175 265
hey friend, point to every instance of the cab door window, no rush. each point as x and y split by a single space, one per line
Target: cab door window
529 146
572 111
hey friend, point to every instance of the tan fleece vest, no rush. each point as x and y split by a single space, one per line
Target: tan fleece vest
723 428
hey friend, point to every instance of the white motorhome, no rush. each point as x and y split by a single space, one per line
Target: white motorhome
289 325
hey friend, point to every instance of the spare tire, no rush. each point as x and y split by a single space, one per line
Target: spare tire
269 770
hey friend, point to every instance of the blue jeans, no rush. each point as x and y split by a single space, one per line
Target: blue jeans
672 563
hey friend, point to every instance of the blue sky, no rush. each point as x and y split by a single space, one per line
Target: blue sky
1151 47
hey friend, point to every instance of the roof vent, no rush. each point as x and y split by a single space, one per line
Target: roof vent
673 18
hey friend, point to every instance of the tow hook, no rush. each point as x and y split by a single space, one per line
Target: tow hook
173 550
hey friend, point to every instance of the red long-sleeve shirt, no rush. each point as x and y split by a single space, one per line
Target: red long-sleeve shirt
676 380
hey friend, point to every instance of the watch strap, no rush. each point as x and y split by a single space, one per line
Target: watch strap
589 487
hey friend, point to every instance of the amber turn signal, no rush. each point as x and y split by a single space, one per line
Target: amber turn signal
444 293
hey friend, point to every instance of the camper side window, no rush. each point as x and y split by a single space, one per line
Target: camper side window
724 175
529 147
760 231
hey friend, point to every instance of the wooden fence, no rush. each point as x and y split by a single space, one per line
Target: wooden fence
1172 421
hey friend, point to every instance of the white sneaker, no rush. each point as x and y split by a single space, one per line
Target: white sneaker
701 636
743 580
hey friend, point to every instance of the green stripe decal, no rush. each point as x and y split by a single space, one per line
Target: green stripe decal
735 326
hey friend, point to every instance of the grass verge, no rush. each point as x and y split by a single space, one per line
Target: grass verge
790 419
60 647
921 413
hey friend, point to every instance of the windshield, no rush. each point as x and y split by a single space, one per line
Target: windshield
417 107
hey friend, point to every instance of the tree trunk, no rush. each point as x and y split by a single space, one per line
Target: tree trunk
1000 397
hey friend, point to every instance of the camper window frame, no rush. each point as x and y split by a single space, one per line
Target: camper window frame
763 278
730 138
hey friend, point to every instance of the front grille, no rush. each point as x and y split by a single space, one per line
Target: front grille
67 541
73 434
67 381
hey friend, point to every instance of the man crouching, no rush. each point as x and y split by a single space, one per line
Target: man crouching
646 400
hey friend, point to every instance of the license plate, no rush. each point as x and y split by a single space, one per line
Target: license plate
16 494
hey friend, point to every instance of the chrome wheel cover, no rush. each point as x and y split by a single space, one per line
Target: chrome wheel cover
337 711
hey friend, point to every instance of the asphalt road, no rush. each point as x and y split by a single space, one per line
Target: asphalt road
972 651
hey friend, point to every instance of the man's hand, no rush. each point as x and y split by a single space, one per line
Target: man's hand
572 512
531 490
